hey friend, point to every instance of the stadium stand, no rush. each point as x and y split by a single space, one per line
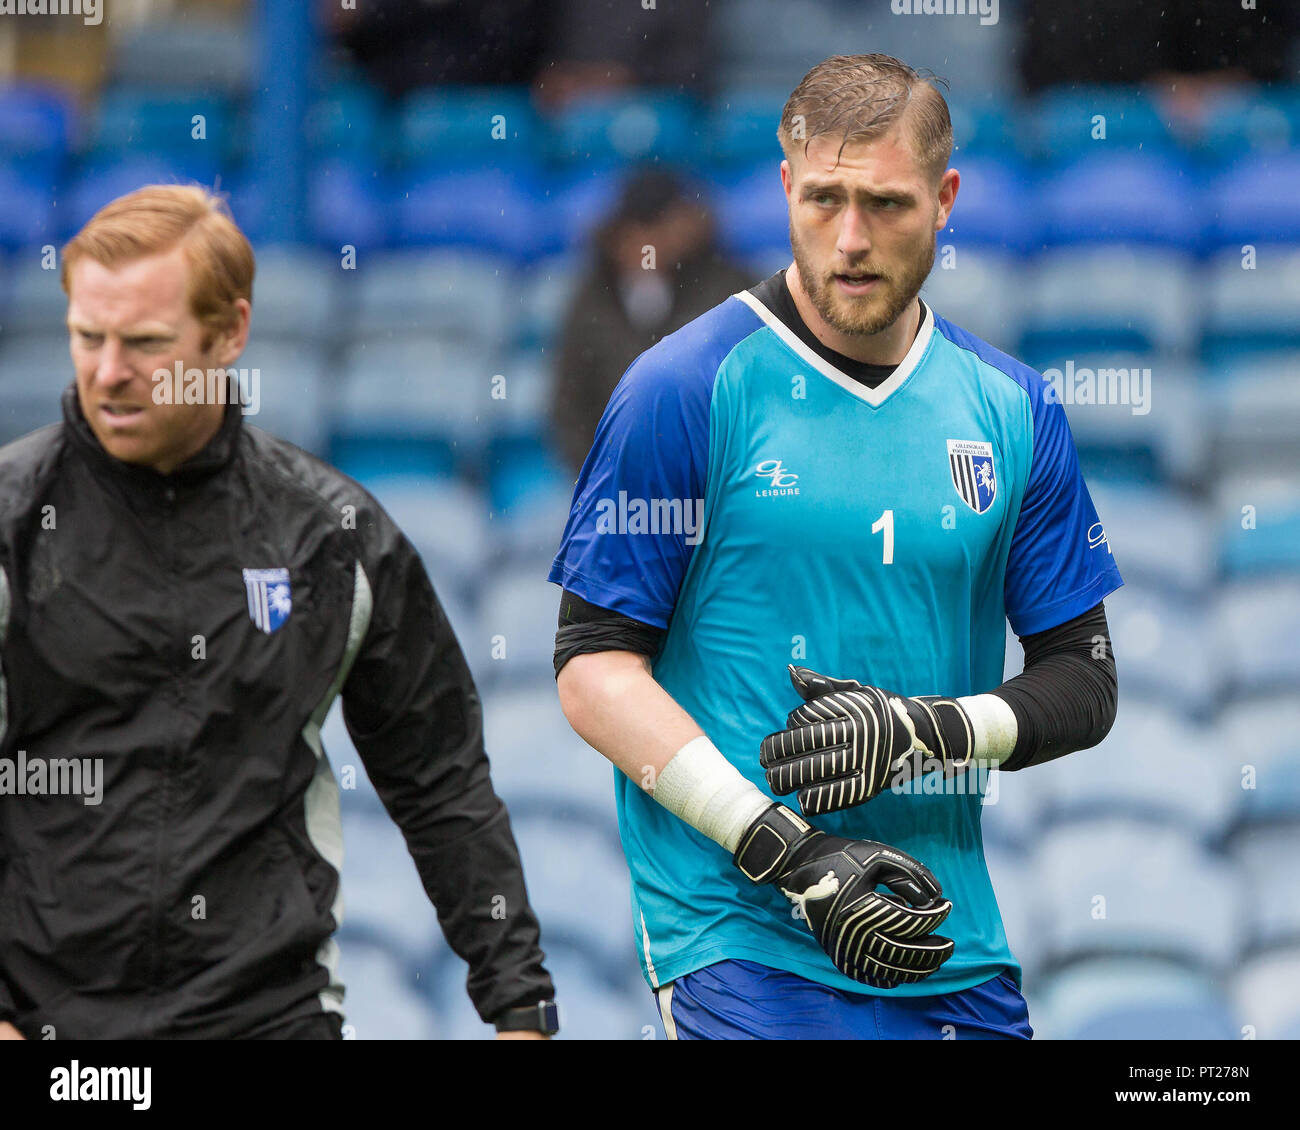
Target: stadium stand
1060 250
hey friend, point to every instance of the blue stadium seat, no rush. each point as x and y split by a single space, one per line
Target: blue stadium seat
108 177
522 469
294 293
1266 992
996 206
971 54
1065 121
525 396
581 200
447 292
752 214
1162 647
348 121
1161 538
982 125
375 455
1012 809
482 125
424 388
1014 884
1154 765
134 120
1108 297
1256 120
1255 310
1098 902
608 130
488 209
1118 196
766 261
356 793
549 287
520 606
530 530
577 876
1132 999
1259 635
35 129
447 521
535 753
1250 204
1253 415
348 205
251 200
383 897
383 999
292 397
35 302
771 43
743 127
1265 853
1259 738
601 997
34 371
980 292
1135 416
29 218
1259 524
197 50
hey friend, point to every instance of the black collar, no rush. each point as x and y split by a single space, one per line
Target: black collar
202 465
774 293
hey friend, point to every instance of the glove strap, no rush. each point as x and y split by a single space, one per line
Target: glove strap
767 844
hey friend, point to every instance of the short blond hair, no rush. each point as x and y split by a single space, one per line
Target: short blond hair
860 98
159 217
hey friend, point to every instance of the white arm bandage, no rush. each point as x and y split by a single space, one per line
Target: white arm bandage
709 793
994 724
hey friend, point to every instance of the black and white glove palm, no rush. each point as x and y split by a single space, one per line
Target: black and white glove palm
848 742
880 939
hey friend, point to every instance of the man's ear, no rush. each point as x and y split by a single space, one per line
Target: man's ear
231 341
787 178
948 185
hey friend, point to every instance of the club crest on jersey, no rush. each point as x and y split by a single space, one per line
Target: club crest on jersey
269 598
970 462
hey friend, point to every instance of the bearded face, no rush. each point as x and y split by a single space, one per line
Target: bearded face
863 219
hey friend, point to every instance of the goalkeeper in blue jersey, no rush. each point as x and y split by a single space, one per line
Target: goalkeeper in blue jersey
793 548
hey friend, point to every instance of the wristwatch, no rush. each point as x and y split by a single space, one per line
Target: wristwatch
543 1017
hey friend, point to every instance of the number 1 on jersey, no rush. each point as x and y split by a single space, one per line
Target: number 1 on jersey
886 523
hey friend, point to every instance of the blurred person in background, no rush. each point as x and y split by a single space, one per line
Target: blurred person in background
569 51
403 45
654 268
596 46
182 597
1188 52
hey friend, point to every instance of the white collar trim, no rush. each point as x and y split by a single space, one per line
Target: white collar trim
873 396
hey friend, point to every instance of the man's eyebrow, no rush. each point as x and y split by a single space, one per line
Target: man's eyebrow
884 192
132 332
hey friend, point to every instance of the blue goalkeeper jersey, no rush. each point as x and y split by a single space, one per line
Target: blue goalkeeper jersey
766 508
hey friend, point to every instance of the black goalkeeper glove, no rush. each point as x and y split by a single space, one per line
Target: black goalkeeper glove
847 741
878 939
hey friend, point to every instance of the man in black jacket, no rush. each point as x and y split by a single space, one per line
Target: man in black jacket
181 599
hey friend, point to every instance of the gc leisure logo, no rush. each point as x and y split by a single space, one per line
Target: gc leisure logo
780 481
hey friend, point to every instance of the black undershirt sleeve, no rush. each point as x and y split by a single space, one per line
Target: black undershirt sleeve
1064 700
585 627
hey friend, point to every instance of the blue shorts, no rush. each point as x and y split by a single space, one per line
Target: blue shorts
742 1000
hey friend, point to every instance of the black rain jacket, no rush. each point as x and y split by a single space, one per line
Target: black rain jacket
198 897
